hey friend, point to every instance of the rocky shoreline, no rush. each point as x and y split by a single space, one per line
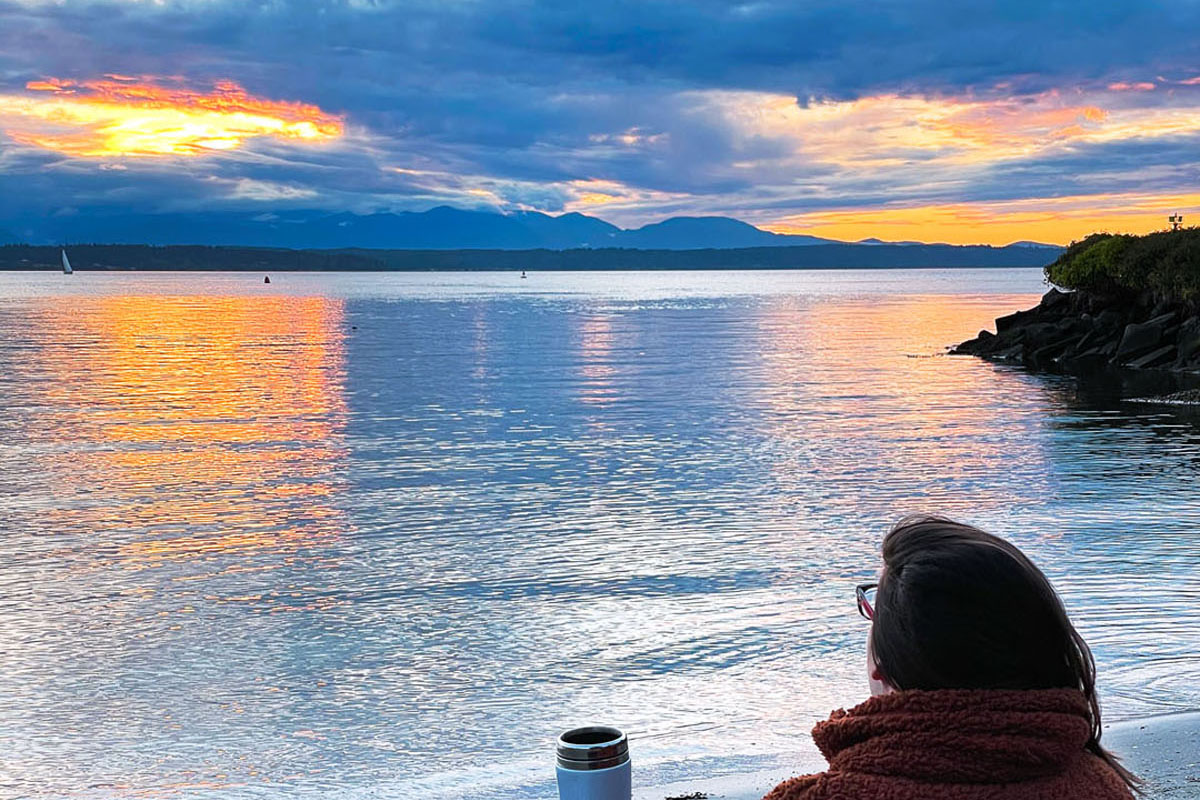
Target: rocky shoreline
1084 334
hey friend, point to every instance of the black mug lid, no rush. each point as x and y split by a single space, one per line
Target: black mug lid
592 747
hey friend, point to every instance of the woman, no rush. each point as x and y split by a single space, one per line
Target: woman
981 686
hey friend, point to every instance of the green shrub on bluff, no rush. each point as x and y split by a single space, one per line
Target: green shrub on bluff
1166 264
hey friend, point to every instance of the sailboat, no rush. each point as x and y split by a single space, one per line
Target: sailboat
66 264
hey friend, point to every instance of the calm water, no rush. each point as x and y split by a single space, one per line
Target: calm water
385 536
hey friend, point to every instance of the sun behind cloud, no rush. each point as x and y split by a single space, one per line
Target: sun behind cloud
123 116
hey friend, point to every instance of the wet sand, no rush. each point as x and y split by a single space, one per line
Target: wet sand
1164 751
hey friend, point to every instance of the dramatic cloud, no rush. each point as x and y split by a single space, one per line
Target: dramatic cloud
929 114
123 116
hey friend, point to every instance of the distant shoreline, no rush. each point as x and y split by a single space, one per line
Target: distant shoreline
194 258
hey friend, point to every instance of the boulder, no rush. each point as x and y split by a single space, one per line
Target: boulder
1090 340
1054 299
1188 339
1155 358
1051 352
980 344
1038 334
1013 320
1163 320
1069 324
1137 340
1109 319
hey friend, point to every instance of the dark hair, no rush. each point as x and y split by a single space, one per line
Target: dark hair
958 608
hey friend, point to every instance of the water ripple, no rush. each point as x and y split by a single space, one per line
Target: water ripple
323 537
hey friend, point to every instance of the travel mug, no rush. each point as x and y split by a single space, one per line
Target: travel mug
593 764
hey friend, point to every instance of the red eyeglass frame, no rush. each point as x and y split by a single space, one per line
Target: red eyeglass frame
864 605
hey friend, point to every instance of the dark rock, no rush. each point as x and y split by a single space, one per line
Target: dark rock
1012 320
1191 364
1070 324
1087 334
1055 299
1040 333
1162 319
1156 358
1138 339
982 343
1188 339
1109 319
1089 340
1051 352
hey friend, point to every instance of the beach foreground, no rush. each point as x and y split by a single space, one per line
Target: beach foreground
1163 750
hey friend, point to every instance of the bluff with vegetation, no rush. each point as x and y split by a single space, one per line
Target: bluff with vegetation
1133 304
1165 265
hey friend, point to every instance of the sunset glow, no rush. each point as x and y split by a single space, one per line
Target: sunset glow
123 116
1057 220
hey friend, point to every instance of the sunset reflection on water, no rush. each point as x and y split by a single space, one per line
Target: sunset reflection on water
235 401
323 537
899 413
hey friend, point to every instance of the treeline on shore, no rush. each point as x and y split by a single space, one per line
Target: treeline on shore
1165 264
835 256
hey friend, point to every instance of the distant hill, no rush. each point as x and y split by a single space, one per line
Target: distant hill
698 233
821 256
1042 245
441 228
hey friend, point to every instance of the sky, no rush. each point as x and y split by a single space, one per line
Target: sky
982 122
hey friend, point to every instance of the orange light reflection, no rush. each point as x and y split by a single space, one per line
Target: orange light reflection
913 422
213 424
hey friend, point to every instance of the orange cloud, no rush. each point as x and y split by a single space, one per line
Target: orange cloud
885 131
123 116
1057 220
1140 86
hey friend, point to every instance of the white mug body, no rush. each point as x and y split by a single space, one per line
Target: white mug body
592 763
613 783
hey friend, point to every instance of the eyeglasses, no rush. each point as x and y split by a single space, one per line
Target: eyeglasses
866 599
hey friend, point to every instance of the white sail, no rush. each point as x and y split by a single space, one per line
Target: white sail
66 264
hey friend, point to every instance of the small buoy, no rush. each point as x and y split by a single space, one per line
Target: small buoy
266 279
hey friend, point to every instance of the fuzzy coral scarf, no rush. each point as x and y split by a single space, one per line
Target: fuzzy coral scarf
959 745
